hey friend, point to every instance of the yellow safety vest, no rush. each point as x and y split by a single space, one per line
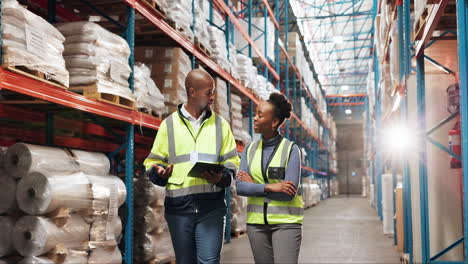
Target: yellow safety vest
261 210
176 143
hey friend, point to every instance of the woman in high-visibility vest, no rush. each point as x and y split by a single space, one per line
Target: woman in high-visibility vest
269 176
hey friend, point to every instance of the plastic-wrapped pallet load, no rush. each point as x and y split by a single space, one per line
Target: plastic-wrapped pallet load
6 240
7 192
221 105
233 62
261 89
244 68
202 36
180 13
258 31
30 41
96 57
169 67
238 212
22 158
218 47
147 94
72 257
152 238
236 117
37 235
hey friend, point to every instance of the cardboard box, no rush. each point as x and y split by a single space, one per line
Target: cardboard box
157 54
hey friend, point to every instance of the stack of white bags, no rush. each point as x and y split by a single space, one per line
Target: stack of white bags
95 56
147 93
30 41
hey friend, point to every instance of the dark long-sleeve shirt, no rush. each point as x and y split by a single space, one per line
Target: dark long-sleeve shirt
293 172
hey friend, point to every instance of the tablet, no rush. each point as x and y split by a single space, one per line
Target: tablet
200 167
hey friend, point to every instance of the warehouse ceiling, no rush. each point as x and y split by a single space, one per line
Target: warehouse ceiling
338 36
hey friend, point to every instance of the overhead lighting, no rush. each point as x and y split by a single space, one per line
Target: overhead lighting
348 111
345 87
338 39
398 138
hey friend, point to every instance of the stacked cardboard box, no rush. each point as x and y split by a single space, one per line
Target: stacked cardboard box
169 67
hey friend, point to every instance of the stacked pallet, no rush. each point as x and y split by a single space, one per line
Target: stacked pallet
97 61
68 204
169 68
147 94
152 239
31 42
238 213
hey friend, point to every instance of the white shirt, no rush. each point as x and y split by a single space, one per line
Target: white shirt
196 123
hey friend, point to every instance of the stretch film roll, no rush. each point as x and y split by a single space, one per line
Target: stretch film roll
92 163
2 156
36 260
6 244
37 235
106 186
22 159
104 255
7 192
39 193
148 193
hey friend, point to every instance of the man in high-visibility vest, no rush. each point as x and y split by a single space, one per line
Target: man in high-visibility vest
194 207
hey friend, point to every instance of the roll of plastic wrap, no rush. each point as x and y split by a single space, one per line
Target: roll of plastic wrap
7 192
100 229
36 260
2 156
103 255
151 218
157 247
37 235
39 193
149 193
6 244
76 257
21 159
92 163
105 186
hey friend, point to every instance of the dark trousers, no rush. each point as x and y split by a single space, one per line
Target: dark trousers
197 238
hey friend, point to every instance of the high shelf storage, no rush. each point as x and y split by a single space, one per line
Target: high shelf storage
45 113
419 56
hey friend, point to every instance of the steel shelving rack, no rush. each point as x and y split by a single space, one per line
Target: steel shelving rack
408 50
132 119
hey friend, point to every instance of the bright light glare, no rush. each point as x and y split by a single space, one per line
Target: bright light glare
397 139
348 111
338 39
345 87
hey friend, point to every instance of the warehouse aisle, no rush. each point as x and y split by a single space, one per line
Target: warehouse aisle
338 230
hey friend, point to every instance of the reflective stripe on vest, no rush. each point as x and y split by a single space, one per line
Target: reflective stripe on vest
205 157
206 188
278 210
261 210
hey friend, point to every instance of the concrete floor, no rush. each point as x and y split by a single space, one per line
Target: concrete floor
338 230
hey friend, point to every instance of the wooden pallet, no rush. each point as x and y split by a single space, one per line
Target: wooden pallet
201 47
34 74
180 29
91 91
155 6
